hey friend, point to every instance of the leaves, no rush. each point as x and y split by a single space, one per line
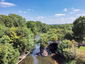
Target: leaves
8 55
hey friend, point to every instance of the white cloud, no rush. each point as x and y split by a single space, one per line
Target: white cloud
6 4
71 12
2 0
32 10
40 17
72 18
75 10
28 9
58 15
31 18
82 10
63 20
20 11
65 9
24 12
83 14
80 14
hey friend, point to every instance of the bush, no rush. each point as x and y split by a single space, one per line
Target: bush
22 38
68 49
8 55
80 57
54 38
42 46
64 44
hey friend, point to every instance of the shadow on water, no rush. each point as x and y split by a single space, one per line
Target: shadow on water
56 59
33 59
28 60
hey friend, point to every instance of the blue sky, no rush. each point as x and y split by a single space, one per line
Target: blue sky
46 11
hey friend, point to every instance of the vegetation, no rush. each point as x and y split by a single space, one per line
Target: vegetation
69 35
68 49
79 28
17 36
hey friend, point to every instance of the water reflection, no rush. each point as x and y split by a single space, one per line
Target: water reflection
43 60
33 59
28 60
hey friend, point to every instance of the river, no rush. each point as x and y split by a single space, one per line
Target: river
34 59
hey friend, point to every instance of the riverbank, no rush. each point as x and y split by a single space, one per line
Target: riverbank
22 57
55 59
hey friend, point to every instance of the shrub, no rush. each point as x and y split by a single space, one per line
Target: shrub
80 57
8 55
68 49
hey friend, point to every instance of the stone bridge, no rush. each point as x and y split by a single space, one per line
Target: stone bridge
52 46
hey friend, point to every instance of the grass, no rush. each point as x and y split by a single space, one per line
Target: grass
82 48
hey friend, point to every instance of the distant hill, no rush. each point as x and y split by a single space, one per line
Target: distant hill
54 24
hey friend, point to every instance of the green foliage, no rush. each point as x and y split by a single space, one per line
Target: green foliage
45 28
39 25
43 38
82 48
18 20
60 36
59 32
32 25
3 30
68 49
66 26
79 28
42 46
64 44
54 38
7 21
80 57
29 37
68 36
21 38
54 26
8 55
4 39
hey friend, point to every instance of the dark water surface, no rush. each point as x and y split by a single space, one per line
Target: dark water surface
34 59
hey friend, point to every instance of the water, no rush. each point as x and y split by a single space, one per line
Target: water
34 59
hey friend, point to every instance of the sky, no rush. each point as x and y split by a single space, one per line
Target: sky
46 11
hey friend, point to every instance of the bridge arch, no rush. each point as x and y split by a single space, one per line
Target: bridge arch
52 47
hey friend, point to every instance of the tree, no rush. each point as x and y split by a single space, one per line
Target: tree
39 25
79 28
21 38
7 21
3 30
80 57
18 20
32 25
45 28
8 55
68 50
